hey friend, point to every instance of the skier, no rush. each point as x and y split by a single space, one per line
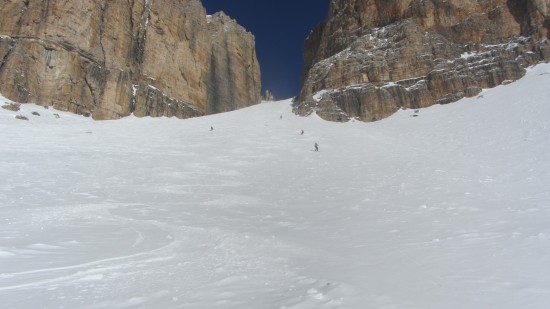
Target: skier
302 132
211 128
316 147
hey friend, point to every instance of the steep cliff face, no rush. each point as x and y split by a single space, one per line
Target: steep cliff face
371 57
113 58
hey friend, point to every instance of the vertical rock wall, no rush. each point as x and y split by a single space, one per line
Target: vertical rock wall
371 57
113 58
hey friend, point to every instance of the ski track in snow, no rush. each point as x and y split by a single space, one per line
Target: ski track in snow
449 209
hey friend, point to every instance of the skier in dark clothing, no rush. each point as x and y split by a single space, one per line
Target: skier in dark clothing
211 128
316 147
302 132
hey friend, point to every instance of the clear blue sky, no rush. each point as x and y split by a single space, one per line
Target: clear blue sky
280 28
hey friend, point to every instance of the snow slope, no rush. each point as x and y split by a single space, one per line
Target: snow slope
449 209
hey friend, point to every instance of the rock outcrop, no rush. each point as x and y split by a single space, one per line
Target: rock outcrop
372 57
110 59
268 96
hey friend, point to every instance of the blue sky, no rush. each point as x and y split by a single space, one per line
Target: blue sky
280 28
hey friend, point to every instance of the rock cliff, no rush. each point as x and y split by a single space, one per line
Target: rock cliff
370 58
109 59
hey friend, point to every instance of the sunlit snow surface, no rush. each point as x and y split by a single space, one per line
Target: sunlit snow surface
450 209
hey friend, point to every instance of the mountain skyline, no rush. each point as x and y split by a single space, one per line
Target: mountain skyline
280 28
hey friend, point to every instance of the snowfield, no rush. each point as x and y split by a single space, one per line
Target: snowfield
449 209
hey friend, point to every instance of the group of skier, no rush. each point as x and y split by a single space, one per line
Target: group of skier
302 133
316 146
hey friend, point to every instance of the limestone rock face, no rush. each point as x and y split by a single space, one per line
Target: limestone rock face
114 58
371 57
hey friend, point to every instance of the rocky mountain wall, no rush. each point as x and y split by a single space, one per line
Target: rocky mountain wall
371 57
110 59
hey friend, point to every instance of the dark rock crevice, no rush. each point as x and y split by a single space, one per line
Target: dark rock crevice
23 15
230 95
6 48
104 8
95 79
213 84
139 48
44 10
